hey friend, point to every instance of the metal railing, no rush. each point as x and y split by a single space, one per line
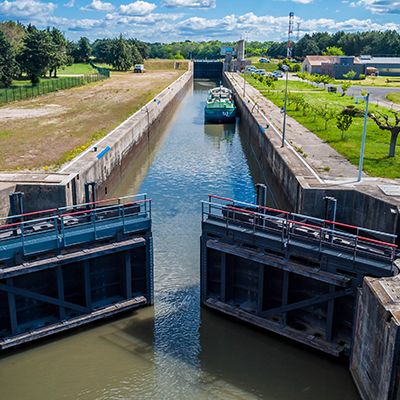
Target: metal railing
58 228
22 92
355 242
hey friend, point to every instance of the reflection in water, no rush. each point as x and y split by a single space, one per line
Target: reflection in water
176 350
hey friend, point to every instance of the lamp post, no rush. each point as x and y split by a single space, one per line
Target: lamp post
364 135
244 55
286 69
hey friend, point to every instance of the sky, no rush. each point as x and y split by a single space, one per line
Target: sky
226 20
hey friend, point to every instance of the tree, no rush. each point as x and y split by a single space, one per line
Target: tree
343 121
58 56
384 123
36 54
350 75
136 56
83 50
333 51
15 33
8 65
326 114
345 87
121 54
102 50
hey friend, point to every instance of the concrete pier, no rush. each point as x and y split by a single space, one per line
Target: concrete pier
375 357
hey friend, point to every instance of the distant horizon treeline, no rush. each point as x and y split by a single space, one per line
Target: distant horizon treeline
371 43
35 52
386 43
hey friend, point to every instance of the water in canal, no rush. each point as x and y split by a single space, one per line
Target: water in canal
177 350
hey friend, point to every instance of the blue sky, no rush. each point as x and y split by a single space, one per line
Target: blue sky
170 20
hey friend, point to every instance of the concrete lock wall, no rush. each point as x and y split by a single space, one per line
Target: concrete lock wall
101 165
303 192
375 354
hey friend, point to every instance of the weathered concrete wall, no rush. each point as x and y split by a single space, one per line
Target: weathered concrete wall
5 190
375 354
123 141
362 205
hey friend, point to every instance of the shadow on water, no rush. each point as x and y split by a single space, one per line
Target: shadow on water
176 350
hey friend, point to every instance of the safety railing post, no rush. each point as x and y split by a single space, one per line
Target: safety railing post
93 215
321 236
64 241
355 247
22 238
123 220
56 231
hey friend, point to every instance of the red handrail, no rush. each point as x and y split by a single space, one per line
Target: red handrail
220 198
70 214
380 242
363 238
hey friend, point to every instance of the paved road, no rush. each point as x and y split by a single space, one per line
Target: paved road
377 95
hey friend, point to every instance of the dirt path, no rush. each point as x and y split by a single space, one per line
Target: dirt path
48 130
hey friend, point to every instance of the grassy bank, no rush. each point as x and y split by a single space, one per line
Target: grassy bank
269 67
395 97
385 81
376 163
45 132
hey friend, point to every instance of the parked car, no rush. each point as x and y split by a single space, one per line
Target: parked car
277 74
260 72
139 68
264 60
251 68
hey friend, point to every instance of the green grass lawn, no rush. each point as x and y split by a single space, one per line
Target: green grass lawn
269 67
376 162
395 97
77 69
374 81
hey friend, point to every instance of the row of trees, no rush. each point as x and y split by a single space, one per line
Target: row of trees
37 53
340 43
120 53
210 50
31 51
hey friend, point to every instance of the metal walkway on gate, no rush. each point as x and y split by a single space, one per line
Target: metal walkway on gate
290 230
59 228
288 273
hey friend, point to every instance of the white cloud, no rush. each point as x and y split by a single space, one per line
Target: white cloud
26 8
70 4
98 5
149 19
139 22
303 1
190 3
137 8
379 6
